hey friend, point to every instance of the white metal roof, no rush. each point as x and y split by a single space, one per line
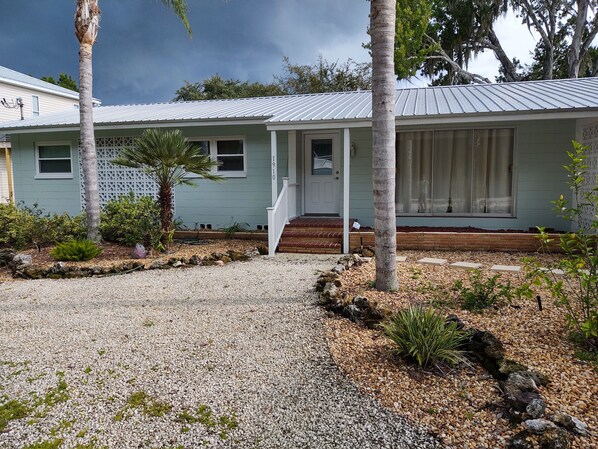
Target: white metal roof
425 103
15 78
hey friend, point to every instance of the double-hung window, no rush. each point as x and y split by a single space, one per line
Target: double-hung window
53 160
455 172
229 152
35 105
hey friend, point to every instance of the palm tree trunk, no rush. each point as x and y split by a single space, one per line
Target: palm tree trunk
382 30
87 19
88 143
165 202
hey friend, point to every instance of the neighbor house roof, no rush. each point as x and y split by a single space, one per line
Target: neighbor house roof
413 105
12 77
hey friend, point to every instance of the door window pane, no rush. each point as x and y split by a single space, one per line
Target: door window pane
321 157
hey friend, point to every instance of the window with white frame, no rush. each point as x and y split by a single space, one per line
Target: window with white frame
229 152
35 104
458 172
53 160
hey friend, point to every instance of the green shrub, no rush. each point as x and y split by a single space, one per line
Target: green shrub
76 250
21 226
129 220
424 335
483 293
577 290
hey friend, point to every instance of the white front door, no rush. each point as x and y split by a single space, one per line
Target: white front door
321 173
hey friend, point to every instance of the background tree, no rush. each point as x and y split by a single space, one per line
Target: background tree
323 76
216 87
167 158
64 80
87 22
382 31
458 30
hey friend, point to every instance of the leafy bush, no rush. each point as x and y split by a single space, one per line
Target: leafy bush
75 250
129 220
577 289
483 293
423 335
21 226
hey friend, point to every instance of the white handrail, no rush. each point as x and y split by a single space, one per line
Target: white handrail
278 217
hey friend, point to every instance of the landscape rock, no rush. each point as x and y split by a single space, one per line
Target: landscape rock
177 264
571 423
20 261
59 268
139 252
238 256
262 250
488 350
539 426
554 439
6 256
156 264
519 392
195 260
331 294
368 252
338 268
219 263
508 366
536 408
521 440
31 272
351 312
225 259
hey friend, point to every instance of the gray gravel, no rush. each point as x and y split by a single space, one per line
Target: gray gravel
245 340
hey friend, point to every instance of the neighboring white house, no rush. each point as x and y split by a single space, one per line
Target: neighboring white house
22 97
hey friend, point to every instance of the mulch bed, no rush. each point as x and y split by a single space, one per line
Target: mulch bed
464 406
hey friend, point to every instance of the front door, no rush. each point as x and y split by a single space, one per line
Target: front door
321 173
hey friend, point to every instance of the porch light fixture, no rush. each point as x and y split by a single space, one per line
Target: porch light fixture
353 150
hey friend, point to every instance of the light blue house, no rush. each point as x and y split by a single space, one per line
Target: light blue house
488 156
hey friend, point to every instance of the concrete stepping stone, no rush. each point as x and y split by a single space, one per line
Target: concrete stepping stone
401 258
555 271
506 268
433 261
467 265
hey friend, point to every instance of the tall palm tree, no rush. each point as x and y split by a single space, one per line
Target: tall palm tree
382 31
87 23
167 158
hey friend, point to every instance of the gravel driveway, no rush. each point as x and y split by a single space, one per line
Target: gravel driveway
230 356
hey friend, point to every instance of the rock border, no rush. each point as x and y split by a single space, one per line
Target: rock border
22 267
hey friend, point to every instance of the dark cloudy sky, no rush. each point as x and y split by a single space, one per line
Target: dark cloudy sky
143 53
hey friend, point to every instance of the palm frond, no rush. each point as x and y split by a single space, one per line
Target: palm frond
180 9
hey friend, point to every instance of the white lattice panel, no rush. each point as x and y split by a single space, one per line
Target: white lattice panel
113 180
590 138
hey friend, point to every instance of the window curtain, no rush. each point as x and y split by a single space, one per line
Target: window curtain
414 172
452 172
455 172
492 171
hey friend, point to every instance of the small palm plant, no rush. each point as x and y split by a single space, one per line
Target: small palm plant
167 157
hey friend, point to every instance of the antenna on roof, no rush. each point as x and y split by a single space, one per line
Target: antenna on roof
13 104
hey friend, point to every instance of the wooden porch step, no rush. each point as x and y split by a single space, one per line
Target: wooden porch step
316 235
310 247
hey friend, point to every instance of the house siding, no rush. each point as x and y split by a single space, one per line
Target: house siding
48 102
242 200
540 153
539 156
